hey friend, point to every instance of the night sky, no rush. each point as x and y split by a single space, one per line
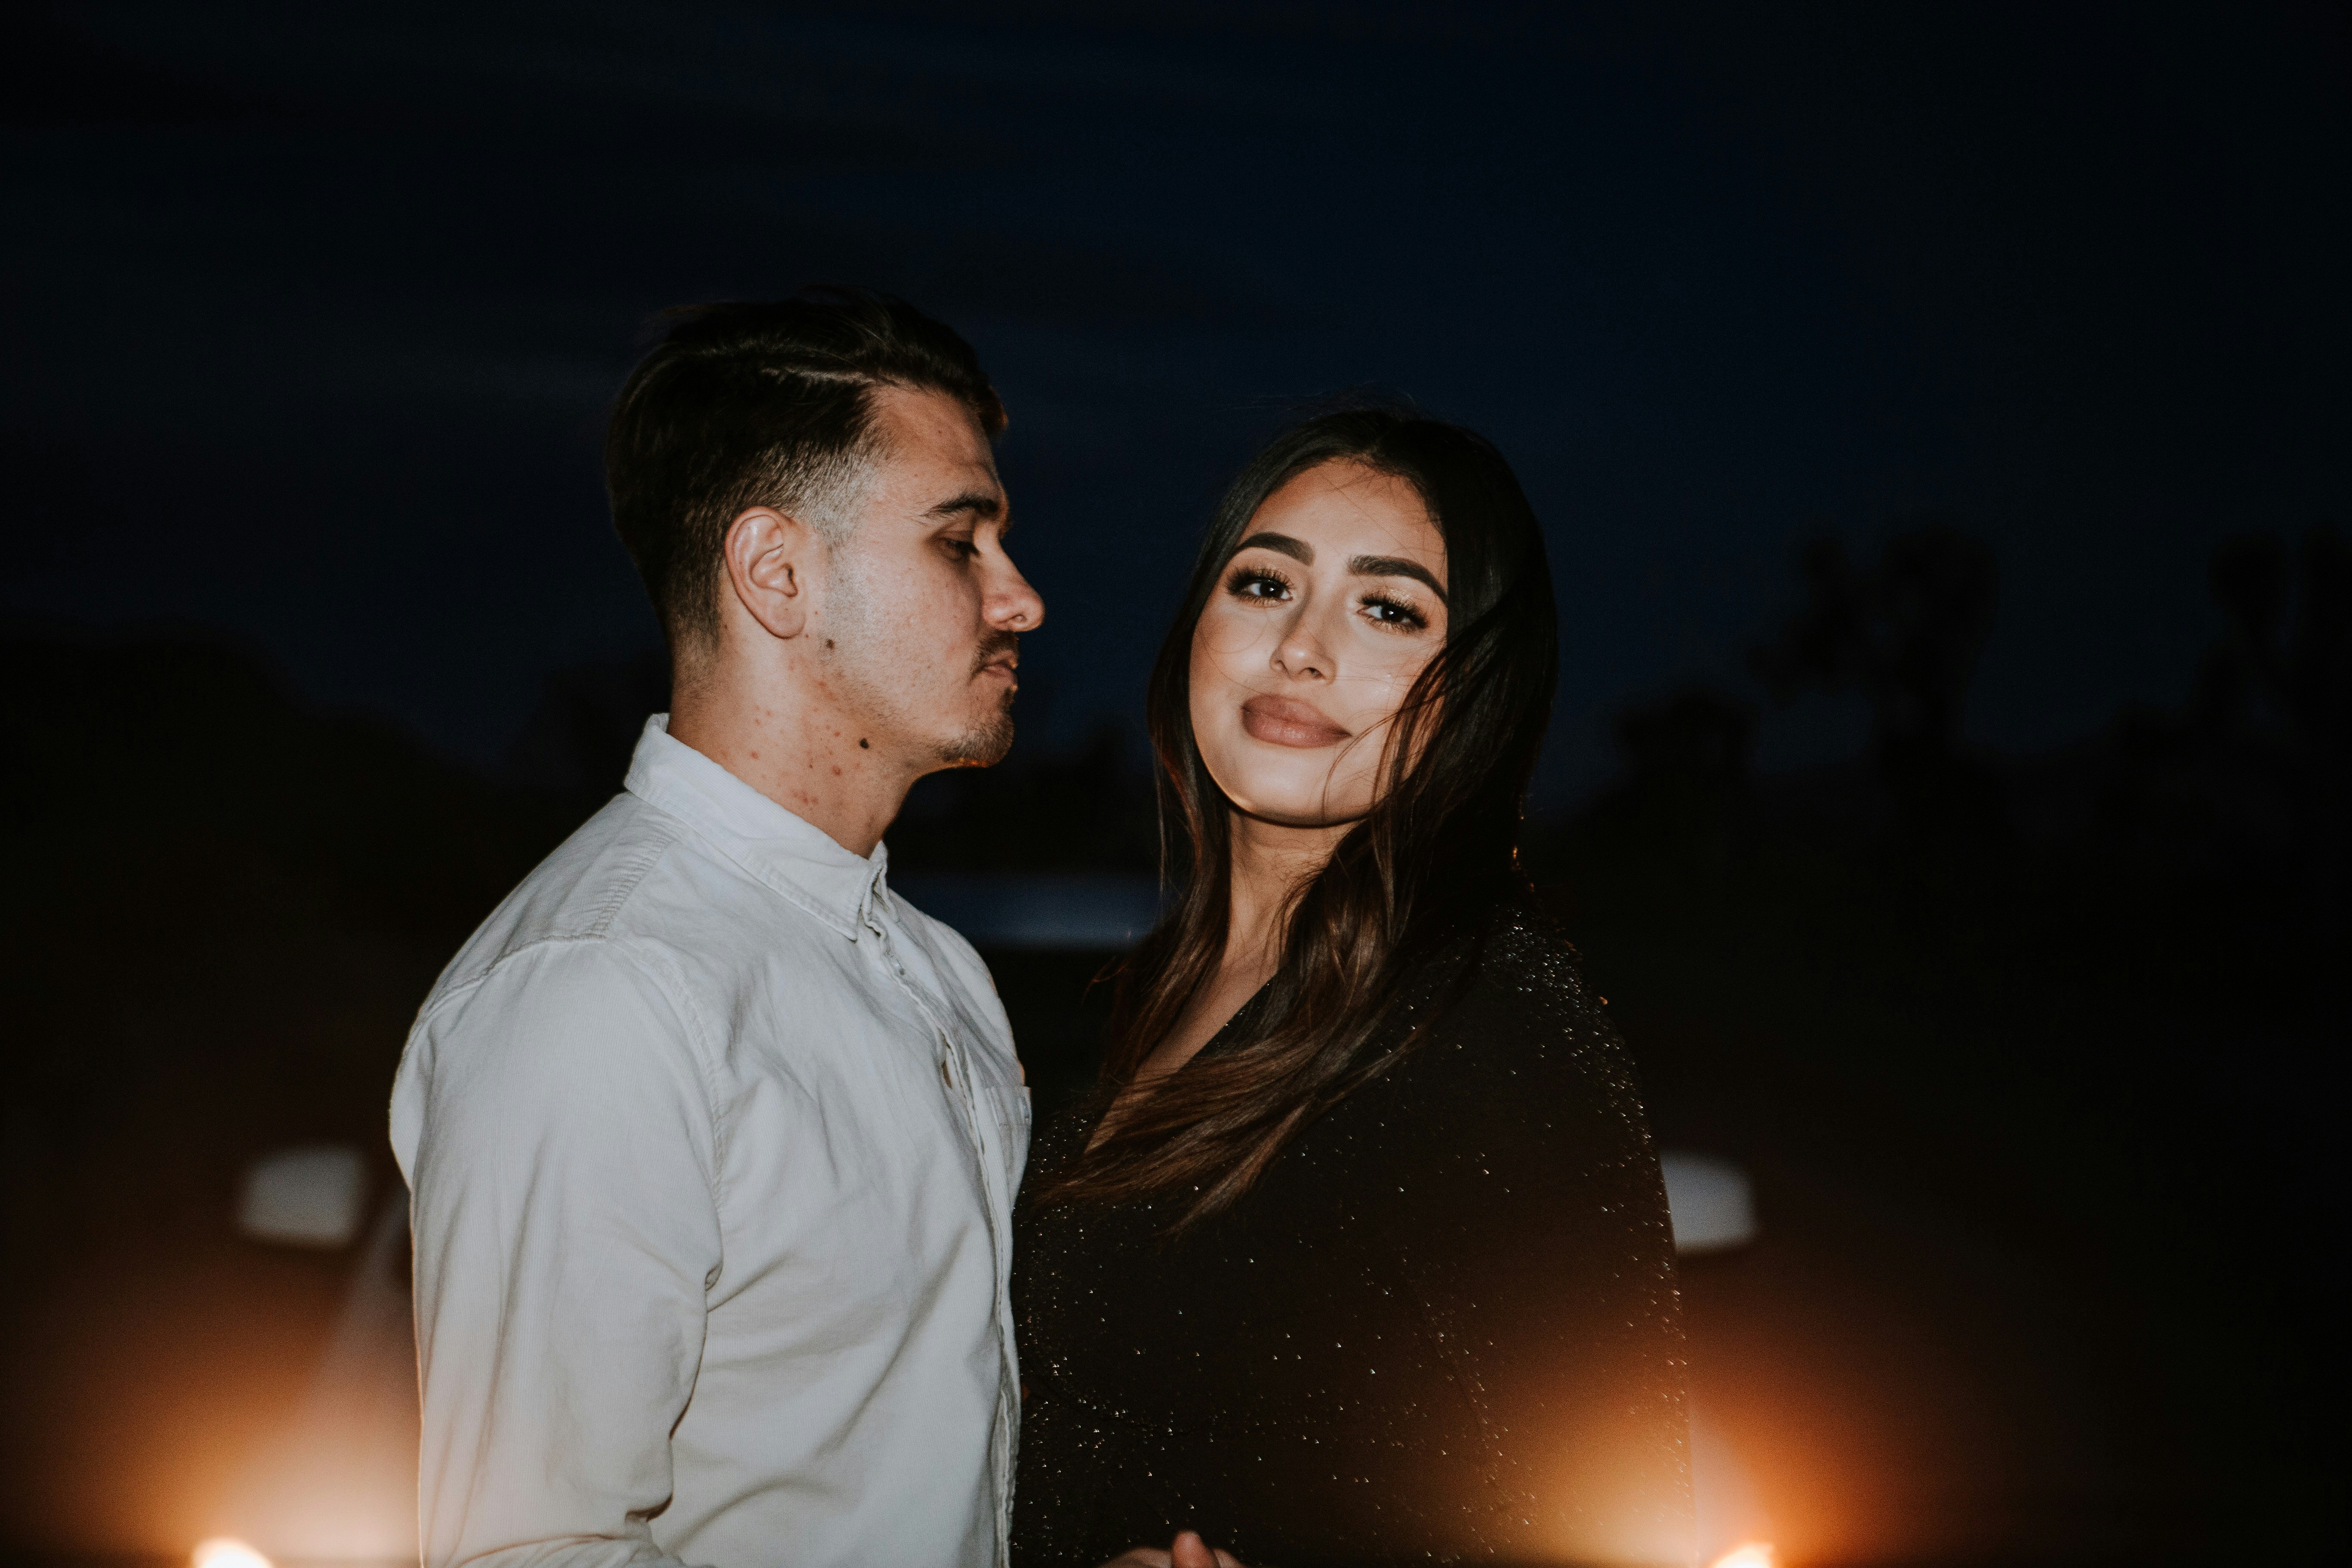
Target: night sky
311 314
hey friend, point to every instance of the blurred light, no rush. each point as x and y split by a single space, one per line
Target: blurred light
305 1197
1754 1555
223 1552
1712 1205
1723 1489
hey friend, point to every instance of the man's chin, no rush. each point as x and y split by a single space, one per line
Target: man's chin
981 747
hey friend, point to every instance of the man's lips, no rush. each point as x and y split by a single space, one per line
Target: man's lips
999 656
1280 721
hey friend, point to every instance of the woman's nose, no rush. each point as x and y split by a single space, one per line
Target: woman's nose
1301 653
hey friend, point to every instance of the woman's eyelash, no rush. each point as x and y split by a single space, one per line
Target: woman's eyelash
1243 580
1406 614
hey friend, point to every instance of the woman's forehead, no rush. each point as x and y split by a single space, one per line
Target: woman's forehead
1354 509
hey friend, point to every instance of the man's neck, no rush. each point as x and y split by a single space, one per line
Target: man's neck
784 739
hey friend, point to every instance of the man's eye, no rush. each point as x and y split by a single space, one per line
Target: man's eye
965 548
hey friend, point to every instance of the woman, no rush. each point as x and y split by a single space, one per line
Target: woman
1360 1252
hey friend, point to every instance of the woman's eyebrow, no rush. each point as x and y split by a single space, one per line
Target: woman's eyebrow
1394 566
1298 550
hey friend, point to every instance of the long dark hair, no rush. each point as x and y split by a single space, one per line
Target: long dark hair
1437 851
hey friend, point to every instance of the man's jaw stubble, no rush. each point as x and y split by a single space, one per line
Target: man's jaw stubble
986 744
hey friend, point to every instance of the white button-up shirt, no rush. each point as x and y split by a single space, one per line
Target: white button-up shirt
713 1146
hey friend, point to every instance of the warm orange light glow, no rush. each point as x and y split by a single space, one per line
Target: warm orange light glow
223 1552
1752 1554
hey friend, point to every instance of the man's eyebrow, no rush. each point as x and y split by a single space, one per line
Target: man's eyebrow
978 503
1298 550
1394 566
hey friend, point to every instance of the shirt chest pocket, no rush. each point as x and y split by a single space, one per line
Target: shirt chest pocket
1009 1108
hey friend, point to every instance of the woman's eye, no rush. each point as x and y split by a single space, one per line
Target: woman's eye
1394 613
1258 585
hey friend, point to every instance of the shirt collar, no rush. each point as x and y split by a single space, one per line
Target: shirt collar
792 856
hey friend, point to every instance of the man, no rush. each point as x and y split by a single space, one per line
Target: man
713 1142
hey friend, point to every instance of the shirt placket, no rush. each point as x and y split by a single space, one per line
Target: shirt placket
955 1075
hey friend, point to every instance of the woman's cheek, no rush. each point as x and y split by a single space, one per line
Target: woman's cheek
1220 640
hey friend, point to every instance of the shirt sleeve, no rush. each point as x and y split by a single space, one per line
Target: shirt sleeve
556 1131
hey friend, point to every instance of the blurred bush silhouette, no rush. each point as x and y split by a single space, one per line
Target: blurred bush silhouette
2077 1001
224 909
2257 769
1906 633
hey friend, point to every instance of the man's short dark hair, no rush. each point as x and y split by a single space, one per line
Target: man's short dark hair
765 402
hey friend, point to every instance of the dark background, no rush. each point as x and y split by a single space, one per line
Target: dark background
1939 414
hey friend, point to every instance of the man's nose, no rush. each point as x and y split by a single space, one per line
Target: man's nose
1010 604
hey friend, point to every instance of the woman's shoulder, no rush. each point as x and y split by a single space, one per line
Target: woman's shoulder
1521 963
1512 998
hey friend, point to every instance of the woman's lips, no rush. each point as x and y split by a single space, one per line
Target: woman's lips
1280 721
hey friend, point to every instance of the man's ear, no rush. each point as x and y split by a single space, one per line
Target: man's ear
768 555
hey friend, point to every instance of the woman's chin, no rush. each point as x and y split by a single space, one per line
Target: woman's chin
1277 811
1286 788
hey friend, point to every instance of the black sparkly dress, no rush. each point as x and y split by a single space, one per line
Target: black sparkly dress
1442 1327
